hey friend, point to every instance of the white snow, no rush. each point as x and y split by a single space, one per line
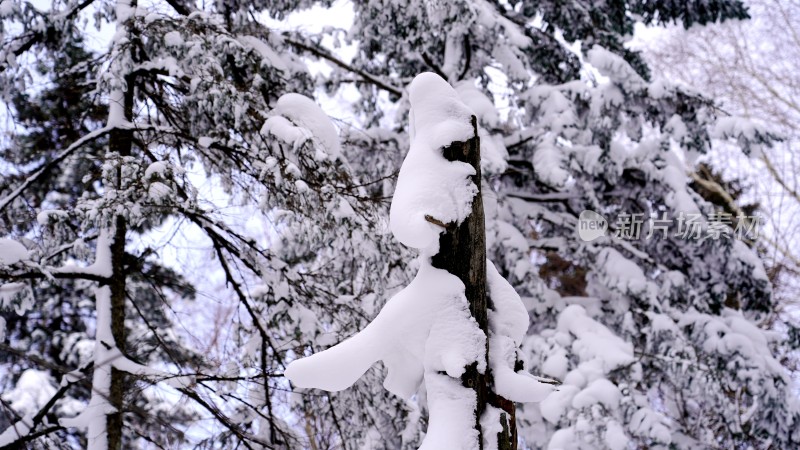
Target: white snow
586 386
556 404
478 102
425 333
116 110
744 130
428 184
548 163
45 216
493 150
556 364
646 422
615 437
8 293
268 53
452 414
743 254
512 239
205 141
158 190
494 155
508 316
33 389
106 356
620 272
508 323
12 252
16 430
490 426
283 129
593 341
102 261
7 8
598 391
514 386
676 128
674 176
616 69
453 52
425 327
93 418
297 119
156 168
173 39
512 62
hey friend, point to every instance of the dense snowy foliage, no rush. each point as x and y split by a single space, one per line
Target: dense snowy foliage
180 220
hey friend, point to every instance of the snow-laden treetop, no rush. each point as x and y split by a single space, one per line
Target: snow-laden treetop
429 184
404 334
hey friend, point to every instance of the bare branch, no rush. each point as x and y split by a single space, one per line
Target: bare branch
324 54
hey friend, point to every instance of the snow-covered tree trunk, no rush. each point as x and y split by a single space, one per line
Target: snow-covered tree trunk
437 332
120 142
120 115
462 252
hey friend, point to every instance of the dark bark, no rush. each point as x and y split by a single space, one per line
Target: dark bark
120 142
462 252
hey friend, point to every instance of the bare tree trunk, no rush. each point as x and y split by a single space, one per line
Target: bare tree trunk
462 252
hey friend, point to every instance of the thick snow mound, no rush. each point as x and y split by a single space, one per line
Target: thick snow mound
508 323
429 184
32 391
593 341
297 119
12 252
508 316
452 416
425 327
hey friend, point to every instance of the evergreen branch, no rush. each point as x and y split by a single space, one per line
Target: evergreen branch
63 275
66 247
324 54
543 198
72 377
47 167
19 443
40 34
391 176
35 359
518 143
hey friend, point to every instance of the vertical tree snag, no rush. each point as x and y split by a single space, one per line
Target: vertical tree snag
438 329
462 252
121 143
